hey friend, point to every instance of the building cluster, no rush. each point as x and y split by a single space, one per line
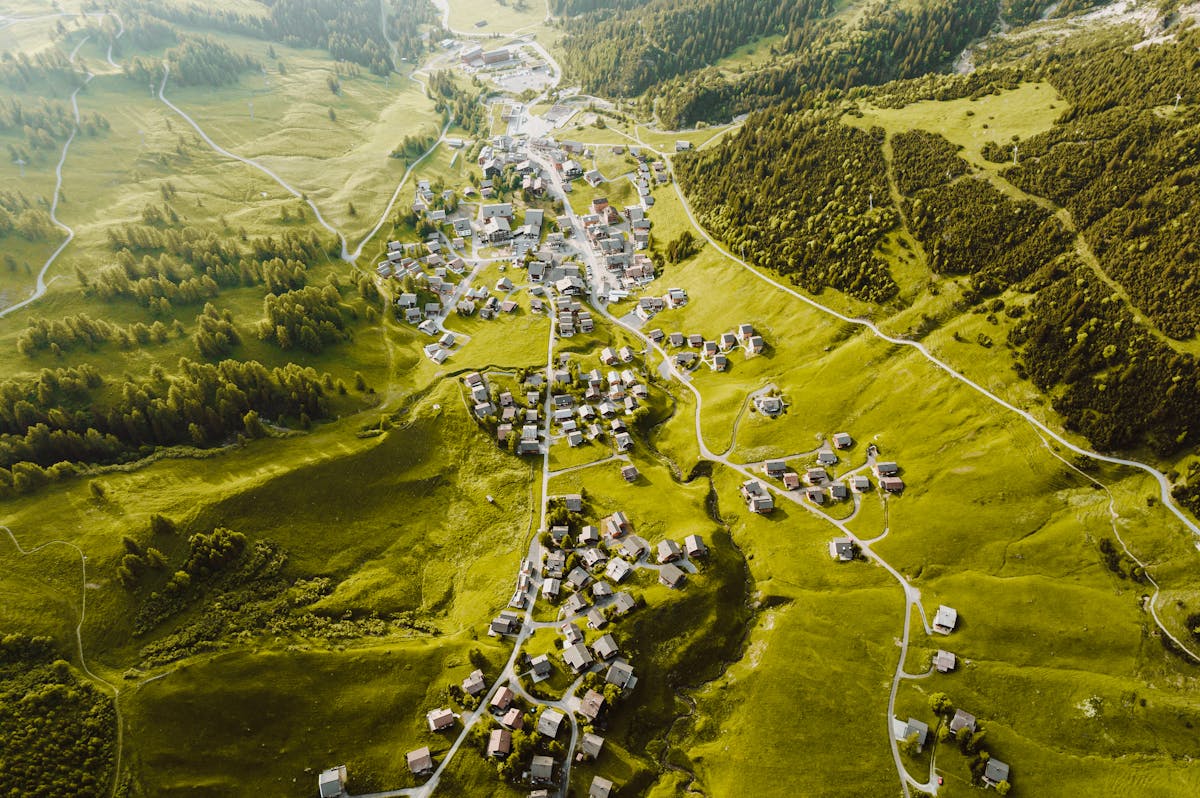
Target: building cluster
712 352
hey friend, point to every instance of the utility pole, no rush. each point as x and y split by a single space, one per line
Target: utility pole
1178 97
871 201
1015 150
21 166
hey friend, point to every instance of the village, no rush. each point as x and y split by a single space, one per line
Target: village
570 671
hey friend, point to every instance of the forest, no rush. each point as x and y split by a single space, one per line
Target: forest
195 61
801 194
625 53
348 29
71 417
57 731
825 59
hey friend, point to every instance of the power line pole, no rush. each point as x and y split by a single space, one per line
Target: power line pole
1015 150
1178 97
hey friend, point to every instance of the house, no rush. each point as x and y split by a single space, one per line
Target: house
838 492
503 699
630 473
541 667
826 457
541 769
573 502
571 169
593 177
575 604
860 483
918 729
593 557
675 339
945 662
591 745
601 590
791 480
842 440
633 547
962 720
474 684
815 495
775 468
592 705
578 657
680 146
672 576
596 619
499 743
625 353
842 549
579 578
601 788
420 761
815 476
620 673
606 647
332 783
769 405
624 442
755 345
506 624
694 546
440 719
668 551
551 589
624 602
720 363
695 340
589 535
945 620
995 772
886 469
497 230
892 484
513 719
758 500
550 722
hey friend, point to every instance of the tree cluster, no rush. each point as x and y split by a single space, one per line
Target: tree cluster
75 416
195 61
794 193
823 58
57 731
216 336
1110 379
309 318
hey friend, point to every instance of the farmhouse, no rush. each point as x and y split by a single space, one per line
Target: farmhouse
918 728
694 546
758 500
995 772
624 603
440 719
629 473
886 469
962 720
591 745
775 468
860 483
541 769
945 620
575 604
420 761
672 576
668 551
842 440
503 699
550 722
620 673
769 405
499 743
578 657
592 705
891 484
945 662
841 549
541 667
332 783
